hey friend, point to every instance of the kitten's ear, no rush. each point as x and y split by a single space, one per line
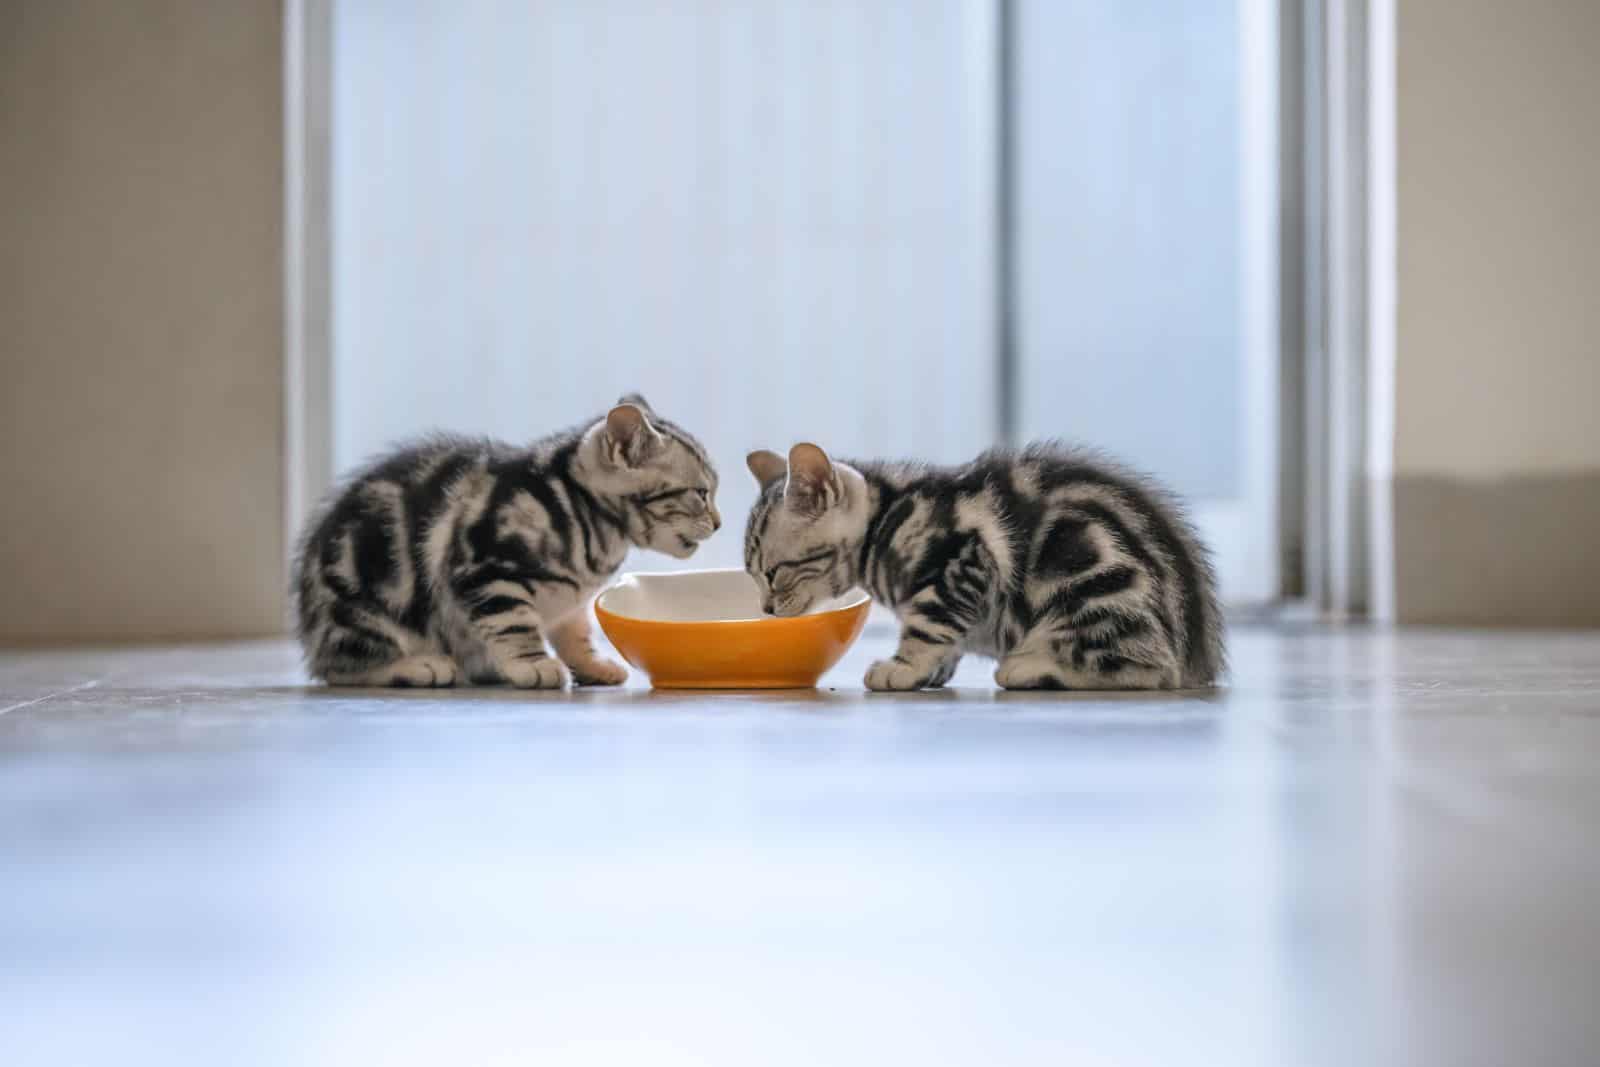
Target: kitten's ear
637 400
813 483
629 437
768 467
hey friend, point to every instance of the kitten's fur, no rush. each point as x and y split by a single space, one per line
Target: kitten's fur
1070 571
455 559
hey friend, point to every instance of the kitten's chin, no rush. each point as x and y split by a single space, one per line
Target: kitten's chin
681 548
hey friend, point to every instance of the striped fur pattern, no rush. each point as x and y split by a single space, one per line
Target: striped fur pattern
456 559
1069 570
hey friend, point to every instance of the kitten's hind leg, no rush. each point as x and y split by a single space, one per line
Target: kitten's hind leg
573 643
361 647
420 672
1037 672
1057 665
1030 670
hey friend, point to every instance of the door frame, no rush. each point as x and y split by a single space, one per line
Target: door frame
1339 295
307 258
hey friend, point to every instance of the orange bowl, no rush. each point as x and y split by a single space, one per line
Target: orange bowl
705 630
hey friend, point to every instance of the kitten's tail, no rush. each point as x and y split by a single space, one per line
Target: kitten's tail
1206 655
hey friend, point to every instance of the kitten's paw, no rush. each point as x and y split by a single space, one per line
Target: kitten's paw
542 673
1030 670
423 672
891 674
598 671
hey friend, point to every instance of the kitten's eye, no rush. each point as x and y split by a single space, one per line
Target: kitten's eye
704 494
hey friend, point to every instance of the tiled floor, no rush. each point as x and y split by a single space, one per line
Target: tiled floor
1370 848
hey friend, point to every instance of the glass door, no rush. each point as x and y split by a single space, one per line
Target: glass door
774 219
1145 245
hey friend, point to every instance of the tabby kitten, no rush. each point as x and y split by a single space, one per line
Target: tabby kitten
1072 572
458 558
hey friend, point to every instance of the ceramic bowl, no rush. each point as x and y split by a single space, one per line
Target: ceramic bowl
705 630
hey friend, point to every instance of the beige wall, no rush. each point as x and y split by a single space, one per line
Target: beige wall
140 319
1499 236
1497 452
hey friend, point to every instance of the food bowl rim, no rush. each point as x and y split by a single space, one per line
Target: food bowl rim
855 598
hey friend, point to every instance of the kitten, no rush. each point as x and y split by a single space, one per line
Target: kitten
456 559
1072 572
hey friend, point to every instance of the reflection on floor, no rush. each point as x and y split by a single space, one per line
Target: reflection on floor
1369 848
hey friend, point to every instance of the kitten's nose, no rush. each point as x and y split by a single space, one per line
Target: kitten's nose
716 521
766 605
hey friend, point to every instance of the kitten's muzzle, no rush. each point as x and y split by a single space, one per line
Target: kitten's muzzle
785 606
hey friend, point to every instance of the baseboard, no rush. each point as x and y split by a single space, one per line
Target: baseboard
1522 551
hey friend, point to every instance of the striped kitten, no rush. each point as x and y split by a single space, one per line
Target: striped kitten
458 558
1071 572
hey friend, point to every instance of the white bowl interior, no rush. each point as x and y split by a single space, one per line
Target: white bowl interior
699 596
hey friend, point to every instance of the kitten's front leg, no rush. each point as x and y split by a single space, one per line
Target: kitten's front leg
517 651
572 641
935 623
917 663
509 629
931 634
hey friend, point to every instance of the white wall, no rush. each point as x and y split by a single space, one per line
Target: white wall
140 320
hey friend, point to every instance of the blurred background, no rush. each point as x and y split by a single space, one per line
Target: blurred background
1333 286
780 221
